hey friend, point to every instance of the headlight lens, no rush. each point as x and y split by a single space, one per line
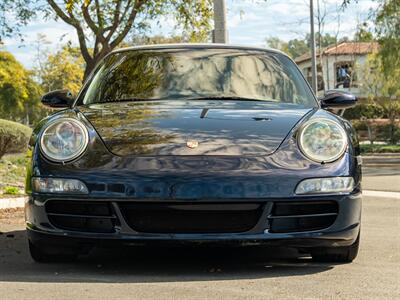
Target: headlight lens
58 185
64 140
322 140
326 185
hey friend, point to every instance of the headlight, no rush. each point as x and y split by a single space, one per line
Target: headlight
63 140
326 185
322 140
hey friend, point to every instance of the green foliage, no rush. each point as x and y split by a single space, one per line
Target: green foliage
363 33
194 16
14 15
359 125
14 137
156 39
376 130
390 133
364 110
63 70
107 23
13 170
367 148
387 23
296 47
19 94
382 88
13 85
277 43
386 19
11 190
321 41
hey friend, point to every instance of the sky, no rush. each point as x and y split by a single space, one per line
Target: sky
250 22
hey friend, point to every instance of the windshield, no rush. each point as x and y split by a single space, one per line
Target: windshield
192 73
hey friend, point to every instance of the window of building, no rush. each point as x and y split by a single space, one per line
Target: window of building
345 77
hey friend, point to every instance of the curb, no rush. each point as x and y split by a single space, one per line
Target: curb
381 160
12 202
392 195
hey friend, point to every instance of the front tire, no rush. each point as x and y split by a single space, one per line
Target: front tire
337 255
42 255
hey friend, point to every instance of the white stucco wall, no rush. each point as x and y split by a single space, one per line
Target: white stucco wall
329 70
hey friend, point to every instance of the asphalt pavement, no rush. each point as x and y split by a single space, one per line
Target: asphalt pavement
381 178
216 273
208 273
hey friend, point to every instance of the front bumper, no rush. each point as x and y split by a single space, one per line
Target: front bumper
342 232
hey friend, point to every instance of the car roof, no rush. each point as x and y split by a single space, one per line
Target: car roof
197 46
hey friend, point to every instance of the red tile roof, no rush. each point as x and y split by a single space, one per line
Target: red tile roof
344 48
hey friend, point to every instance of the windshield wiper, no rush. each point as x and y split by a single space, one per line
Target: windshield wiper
238 98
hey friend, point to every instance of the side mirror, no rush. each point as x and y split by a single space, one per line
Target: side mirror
58 99
338 100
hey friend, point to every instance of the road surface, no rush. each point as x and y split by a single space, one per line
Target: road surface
208 273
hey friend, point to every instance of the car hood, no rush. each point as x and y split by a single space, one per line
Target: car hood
193 127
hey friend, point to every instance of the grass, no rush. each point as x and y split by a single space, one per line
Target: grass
12 174
11 190
367 148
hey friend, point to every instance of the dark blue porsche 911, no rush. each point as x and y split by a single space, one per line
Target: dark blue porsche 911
195 144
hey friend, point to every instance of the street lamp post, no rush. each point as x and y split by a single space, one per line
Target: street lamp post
313 55
220 33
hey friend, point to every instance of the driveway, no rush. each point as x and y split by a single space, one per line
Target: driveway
207 273
382 178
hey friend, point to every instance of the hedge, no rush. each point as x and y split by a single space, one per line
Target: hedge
366 148
367 110
379 130
14 137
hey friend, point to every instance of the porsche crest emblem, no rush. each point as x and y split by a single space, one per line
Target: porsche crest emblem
192 144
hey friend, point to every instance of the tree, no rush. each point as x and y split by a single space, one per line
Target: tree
63 70
42 52
387 28
277 43
107 23
387 23
294 48
19 11
382 90
13 91
363 34
297 47
321 41
19 93
157 39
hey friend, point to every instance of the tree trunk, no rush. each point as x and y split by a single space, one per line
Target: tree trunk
370 137
392 119
89 68
91 64
4 142
2 152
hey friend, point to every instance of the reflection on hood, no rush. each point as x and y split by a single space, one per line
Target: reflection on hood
162 128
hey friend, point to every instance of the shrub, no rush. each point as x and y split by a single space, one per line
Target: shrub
11 190
359 125
366 148
364 110
386 132
14 137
